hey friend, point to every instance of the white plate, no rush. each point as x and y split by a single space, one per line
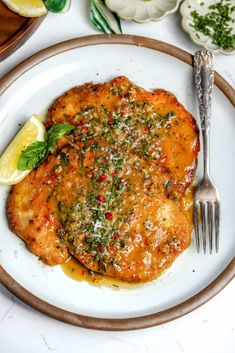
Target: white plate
33 91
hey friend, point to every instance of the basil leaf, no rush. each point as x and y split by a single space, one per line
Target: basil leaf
57 5
55 133
32 156
105 20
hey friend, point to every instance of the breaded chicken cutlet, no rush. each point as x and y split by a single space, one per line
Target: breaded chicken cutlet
110 194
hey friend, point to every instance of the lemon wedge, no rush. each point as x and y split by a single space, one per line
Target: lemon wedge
32 131
27 8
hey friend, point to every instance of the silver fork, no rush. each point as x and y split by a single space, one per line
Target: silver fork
206 194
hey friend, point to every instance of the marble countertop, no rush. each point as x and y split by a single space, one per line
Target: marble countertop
208 329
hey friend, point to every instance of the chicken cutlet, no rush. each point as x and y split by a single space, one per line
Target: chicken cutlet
109 195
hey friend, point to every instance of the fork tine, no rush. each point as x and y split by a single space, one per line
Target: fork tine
210 224
217 225
203 226
196 222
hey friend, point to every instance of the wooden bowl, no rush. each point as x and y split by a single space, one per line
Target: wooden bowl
14 30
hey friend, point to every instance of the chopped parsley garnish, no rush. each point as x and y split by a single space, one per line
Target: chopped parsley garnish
217 23
64 157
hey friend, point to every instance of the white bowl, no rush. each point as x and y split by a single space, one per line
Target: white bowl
197 37
143 10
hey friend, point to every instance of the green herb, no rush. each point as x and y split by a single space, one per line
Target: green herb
120 187
144 147
37 151
132 105
123 243
64 158
165 118
60 205
55 133
57 5
170 115
105 20
32 155
95 146
116 91
98 215
168 185
217 24
140 105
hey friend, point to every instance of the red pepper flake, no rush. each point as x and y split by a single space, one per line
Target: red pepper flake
91 173
84 273
109 216
84 120
75 146
135 216
115 236
136 136
84 128
110 122
94 279
148 128
116 173
53 178
47 216
146 243
73 122
102 178
101 198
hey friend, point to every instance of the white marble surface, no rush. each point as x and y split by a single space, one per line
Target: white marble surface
208 329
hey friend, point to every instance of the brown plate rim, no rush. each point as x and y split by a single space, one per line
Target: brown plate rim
133 323
20 37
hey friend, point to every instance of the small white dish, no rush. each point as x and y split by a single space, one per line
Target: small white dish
197 37
143 10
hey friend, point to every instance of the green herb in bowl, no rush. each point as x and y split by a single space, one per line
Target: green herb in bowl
217 24
210 24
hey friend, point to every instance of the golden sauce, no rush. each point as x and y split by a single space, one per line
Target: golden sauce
186 204
78 272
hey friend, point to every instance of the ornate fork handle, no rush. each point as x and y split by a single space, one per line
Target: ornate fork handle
204 79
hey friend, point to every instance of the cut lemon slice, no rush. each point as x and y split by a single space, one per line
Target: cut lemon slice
32 131
26 8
